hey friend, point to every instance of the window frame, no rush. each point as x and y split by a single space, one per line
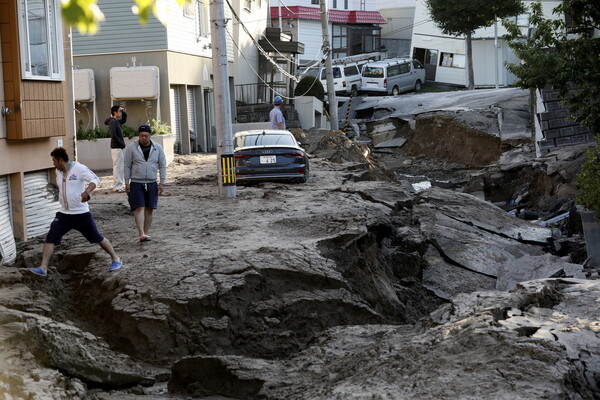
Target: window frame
452 60
54 38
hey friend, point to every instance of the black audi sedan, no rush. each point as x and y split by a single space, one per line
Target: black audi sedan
266 155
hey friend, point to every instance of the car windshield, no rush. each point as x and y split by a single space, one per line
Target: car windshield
264 140
372 72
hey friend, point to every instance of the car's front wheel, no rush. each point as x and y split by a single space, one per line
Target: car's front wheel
418 86
395 91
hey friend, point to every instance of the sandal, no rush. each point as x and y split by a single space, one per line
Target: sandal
38 271
145 238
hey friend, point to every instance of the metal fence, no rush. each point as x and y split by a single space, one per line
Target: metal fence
257 93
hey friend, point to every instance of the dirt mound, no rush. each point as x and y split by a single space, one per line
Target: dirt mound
447 136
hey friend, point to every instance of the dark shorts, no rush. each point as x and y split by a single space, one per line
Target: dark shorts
83 223
143 195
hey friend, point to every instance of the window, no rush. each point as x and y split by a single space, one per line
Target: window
520 20
452 60
41 40
202 15
345 4
189 10
339 41
314 2
372 72
334 4
417 65
393 70
248 5
351 70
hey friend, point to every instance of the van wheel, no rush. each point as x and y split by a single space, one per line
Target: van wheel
418 86
354 91
395 91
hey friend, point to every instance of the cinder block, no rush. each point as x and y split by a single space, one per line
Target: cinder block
545 144
552 133
546 116
578 139
556 123
562 141
553 106
570 131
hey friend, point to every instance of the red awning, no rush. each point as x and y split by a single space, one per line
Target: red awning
341 16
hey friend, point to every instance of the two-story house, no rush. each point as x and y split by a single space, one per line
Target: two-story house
180 53
354 26
36 115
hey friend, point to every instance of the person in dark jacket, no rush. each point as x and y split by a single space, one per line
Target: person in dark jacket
117 145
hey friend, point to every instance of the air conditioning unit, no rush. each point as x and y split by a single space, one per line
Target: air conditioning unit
134 83
84 86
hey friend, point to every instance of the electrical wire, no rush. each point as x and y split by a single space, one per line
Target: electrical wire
258 75
258 46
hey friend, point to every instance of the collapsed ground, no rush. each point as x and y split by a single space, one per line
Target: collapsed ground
348 286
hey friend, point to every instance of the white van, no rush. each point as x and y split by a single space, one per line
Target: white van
393 76
346 78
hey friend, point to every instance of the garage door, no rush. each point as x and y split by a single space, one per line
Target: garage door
41 204
8 250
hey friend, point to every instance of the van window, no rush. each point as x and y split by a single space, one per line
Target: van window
393 70
336 73
372 72
417 65
404 68
351 70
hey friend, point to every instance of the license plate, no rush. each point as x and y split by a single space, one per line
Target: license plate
268 159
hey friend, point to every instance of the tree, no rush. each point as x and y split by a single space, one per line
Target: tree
463 17
310 86
566 57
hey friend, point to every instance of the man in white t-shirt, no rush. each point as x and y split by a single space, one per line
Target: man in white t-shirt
74 213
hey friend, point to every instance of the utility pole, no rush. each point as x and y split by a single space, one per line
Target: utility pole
496 48
333 111
225 165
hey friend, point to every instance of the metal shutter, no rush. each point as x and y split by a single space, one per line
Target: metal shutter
8 249
41 204
191 112
175 117
209 105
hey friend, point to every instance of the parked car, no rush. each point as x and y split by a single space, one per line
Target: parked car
346 78
393 76
265 155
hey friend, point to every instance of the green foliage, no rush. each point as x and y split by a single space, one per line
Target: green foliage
567 59
310 86
461 17
91 134
588 181
158 128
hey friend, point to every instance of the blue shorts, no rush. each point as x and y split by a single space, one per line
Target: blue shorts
83 223
143 195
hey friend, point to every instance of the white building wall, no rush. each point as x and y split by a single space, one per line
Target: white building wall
247 55
309 33
399 22
427 35
182 30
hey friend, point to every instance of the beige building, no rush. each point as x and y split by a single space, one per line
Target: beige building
36 116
